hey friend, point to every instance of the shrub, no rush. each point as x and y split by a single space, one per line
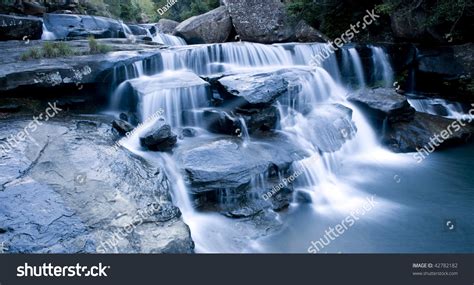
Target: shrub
48 50
96 48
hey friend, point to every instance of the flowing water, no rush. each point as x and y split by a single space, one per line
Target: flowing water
338 181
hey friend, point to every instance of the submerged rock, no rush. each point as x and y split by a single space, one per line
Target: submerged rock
212 27
159 137
427 131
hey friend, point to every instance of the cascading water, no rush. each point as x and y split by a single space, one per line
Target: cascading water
314 115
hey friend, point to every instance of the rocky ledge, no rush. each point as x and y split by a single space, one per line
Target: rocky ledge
71 191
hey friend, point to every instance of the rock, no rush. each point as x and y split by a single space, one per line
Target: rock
82 26
138 30
20 28
385 102
330 126
410 24
260 21
305 33
10 108
188 132
254 88
73 70
212 27
166 26
426 131
122 127
32 8
73 192
159 137
224 164
220 122
261 89
441 61
303 197
259 120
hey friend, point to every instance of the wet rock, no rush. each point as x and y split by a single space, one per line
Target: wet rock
72 192
166 26
385 103
82 26
122 127
159 137
20 28
303 197
212 27
258 21
330 127
225 164
138 30
259 120
188 132
10 108
428 131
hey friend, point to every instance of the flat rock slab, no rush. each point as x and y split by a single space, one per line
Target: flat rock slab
68 190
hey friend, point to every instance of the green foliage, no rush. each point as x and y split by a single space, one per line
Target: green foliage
184 9
97 48
56 49
48 50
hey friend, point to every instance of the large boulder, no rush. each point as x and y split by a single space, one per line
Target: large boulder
260 89
78 193
384 103
81 26
212 27
159 137
20 28
260 21
166 26
426 131
268 22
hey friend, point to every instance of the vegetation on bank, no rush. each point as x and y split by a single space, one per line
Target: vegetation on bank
62 49
333 17
139 11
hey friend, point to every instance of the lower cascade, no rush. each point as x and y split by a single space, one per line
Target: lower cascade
248 131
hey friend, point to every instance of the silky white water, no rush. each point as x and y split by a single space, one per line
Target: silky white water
330 178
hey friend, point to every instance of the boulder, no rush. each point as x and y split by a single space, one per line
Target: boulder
305 33
212 27
260 89
384 103
159 137
330 126
138 30
65 26
426 131
260 21
77 193
259 120
20 28
166 26
122 127
268 22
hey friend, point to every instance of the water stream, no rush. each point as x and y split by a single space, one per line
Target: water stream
352 167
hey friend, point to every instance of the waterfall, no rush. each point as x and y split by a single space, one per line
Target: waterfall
168 40
314 115
382 65
47 35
